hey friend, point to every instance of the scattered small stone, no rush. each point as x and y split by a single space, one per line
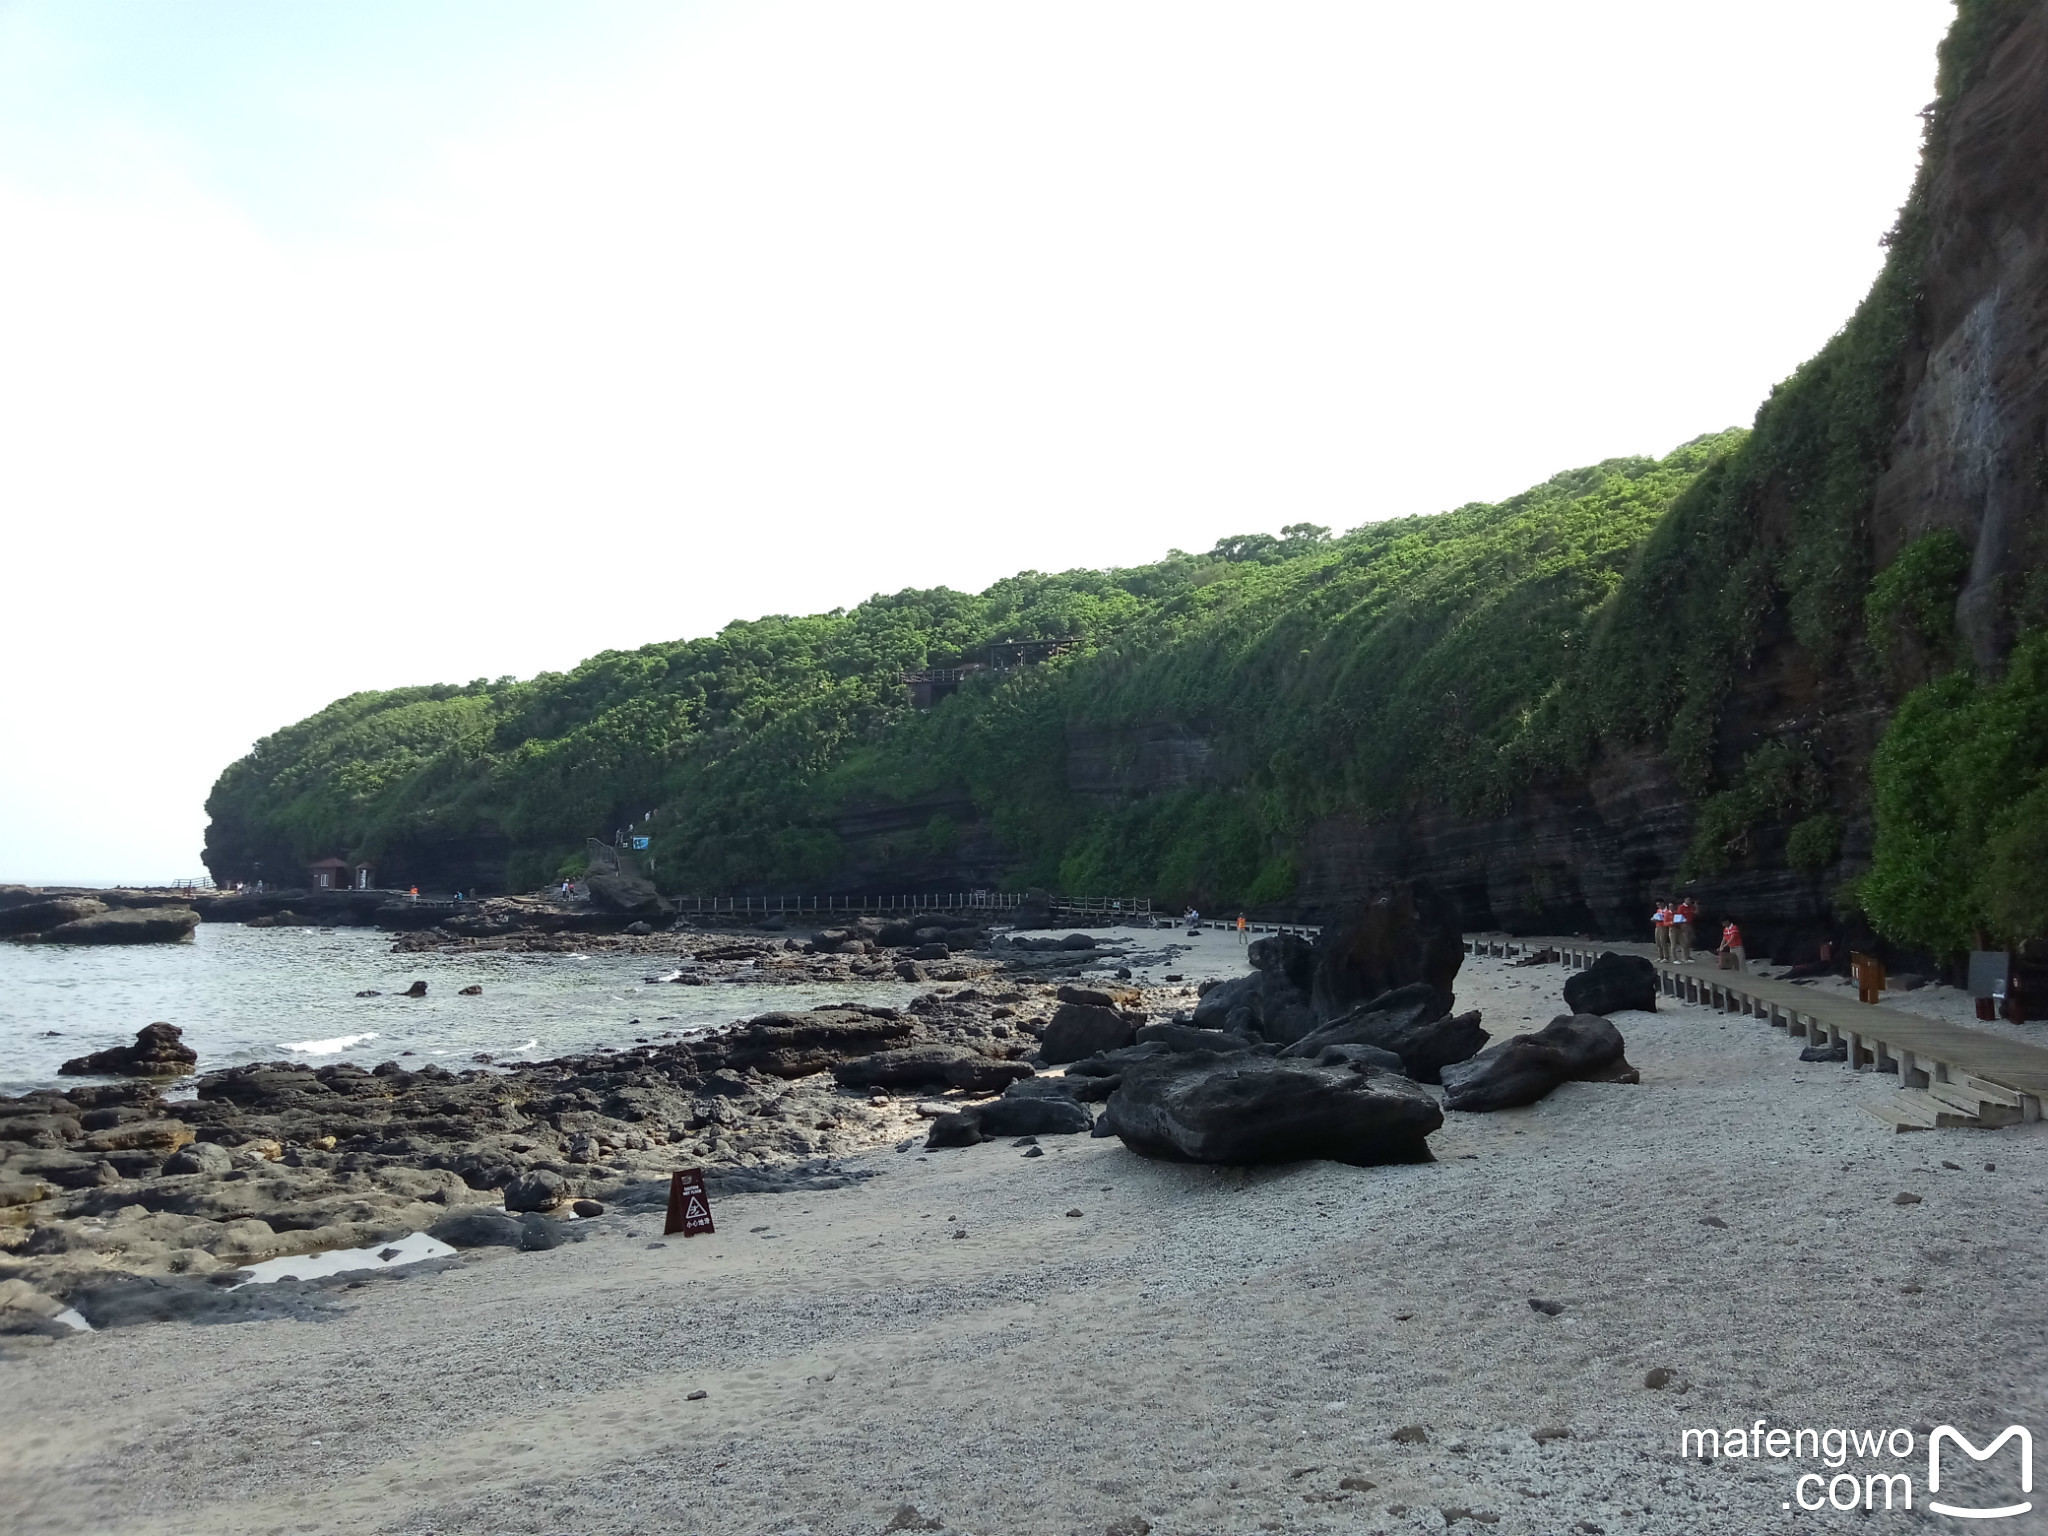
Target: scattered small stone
1552 1432
1547 1308
1905 1197
1659 1377
1358 1484
757 1229
1909 1289
959 1231
417 989
1476 1516
1991 1167
909 1517
373 992
700 1394
1713 1221
1952 1167
587 1208
1411 1434
1130 1525
1075 1211
657 1245
1402 1317
1590 1528
472 990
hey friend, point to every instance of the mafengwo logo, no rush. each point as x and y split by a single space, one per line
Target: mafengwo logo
1949 1433
1845 1487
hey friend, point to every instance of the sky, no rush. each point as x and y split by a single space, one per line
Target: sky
351 346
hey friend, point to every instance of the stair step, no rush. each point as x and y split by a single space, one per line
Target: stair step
1898 1119
1956 1095
1949 1115
1991 1093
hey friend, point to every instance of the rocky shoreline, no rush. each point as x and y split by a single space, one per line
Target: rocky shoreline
106 1185
123 1203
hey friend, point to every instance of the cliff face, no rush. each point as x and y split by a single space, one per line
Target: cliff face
1969 454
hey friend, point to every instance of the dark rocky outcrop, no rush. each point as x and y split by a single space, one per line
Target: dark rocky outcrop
39 915
1082 1029
135 925
1407 1022
798 1044
919 1066
1273 1002
159 1051
1613 984
1245 1108
1411 935
627 895
1523 1069
1188 1037
1035 1116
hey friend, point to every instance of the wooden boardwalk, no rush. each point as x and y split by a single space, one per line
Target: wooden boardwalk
1949 1075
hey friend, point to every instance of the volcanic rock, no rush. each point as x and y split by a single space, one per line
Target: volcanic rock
139 925
1083 1029
159 1051
1613 983
1412 934
1244 1108
1523 1069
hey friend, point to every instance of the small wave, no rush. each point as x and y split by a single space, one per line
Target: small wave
526 1047
328 1047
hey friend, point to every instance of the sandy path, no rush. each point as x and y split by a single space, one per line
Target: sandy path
1204 1350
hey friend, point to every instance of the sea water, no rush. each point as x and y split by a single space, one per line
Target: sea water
289 994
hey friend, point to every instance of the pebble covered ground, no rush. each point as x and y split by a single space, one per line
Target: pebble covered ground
1301 1349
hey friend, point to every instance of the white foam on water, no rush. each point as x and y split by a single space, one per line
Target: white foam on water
70 1319
332 1047
528 1046
410 1249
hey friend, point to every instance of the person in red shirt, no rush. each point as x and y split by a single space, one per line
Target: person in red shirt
1688 918
1731 944
1660 920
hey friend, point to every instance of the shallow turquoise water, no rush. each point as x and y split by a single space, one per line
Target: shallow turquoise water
270 994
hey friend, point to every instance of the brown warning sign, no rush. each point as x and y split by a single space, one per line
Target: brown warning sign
689 1207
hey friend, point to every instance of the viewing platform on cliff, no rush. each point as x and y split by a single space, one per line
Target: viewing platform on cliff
1949 1075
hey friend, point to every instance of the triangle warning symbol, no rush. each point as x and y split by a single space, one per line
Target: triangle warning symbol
694 1211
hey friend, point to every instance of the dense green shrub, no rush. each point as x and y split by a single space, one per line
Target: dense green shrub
1962 816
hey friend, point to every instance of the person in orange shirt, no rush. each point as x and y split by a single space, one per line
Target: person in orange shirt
1660 922
1683 921
1731 944
1242 930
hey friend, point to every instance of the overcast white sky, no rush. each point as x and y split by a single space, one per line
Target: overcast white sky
347 346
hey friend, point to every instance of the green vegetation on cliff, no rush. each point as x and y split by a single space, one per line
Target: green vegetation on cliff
1407 662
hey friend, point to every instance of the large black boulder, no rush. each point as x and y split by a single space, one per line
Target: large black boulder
627 895
1411 934
1270 1004
1523 1069
1034 1116
1406 1021
1082 1029
1613 983
1245 1108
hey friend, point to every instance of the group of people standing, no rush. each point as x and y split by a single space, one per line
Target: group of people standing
1675 925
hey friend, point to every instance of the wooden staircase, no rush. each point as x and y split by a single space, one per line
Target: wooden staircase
1969 1103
